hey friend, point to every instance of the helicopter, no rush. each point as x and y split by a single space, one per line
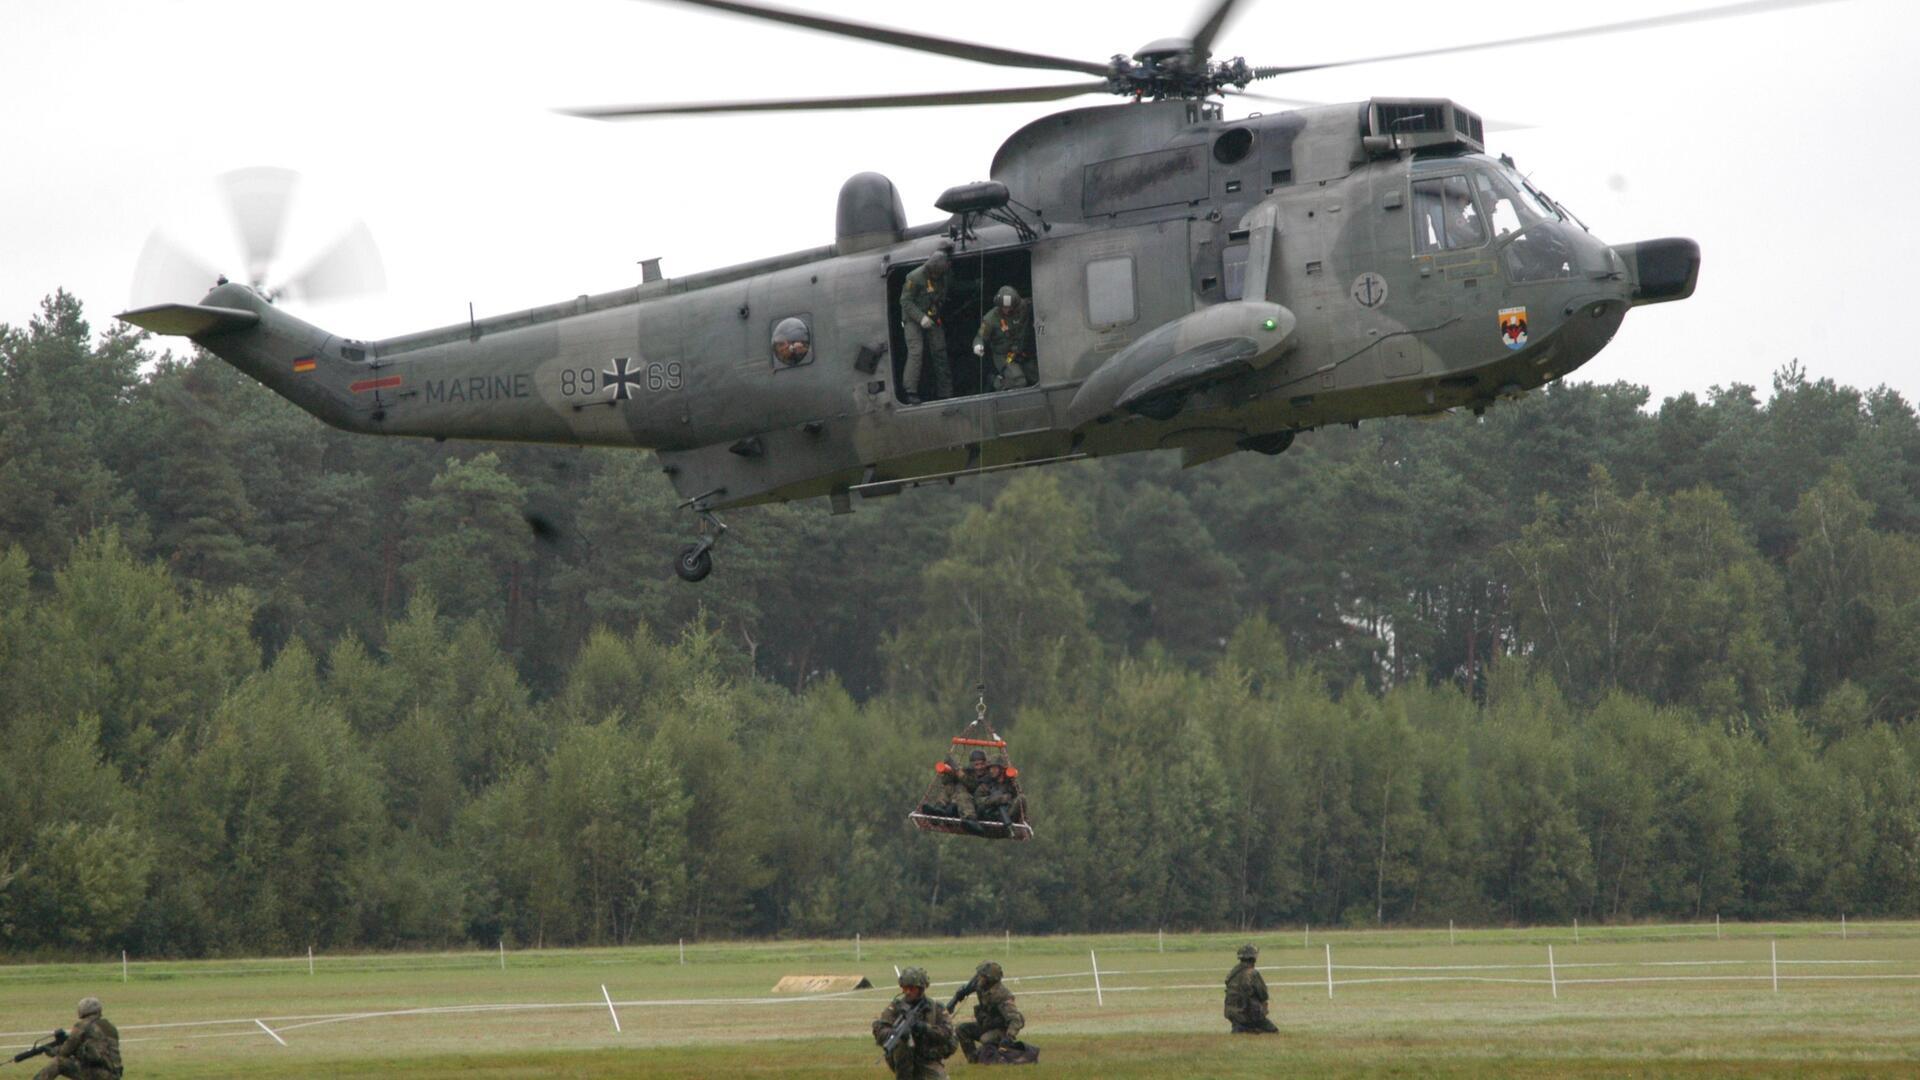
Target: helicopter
1197 283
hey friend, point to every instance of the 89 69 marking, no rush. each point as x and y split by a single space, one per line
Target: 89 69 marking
623 379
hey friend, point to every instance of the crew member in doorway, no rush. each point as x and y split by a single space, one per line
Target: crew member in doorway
921 298
1006 336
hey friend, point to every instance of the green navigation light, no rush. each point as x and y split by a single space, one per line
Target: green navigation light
1269 324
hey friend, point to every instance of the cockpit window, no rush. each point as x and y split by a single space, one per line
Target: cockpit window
1508 213
1444 216
1530 196
792 342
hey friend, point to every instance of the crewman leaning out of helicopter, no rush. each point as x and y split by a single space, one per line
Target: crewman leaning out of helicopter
1006 338
921 299
1247 996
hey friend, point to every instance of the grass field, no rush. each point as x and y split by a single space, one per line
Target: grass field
1644 1001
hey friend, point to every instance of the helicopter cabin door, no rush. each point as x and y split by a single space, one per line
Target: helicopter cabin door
1102 289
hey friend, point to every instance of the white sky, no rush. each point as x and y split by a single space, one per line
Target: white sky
1779 141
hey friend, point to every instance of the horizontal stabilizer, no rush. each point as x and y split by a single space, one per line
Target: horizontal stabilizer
189 320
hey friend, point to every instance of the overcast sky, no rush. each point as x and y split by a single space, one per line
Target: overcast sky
1780 141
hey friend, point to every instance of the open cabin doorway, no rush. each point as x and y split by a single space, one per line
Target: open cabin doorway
973 279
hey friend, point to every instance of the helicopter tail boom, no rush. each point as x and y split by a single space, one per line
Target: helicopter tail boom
301 362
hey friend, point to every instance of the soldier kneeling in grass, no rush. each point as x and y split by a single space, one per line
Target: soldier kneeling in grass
1247 997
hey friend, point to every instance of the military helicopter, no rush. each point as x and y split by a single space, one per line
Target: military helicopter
1198 283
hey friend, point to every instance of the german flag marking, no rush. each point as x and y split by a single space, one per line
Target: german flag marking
305 363
365 385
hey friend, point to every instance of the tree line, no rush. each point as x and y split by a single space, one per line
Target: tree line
263 684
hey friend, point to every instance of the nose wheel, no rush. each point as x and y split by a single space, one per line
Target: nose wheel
695 561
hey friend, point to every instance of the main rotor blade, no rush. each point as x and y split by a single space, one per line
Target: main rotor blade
259 198
1210 28
350 267
890 101
167 273
965 50
1725 11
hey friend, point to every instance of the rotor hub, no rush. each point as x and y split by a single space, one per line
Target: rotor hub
1168 69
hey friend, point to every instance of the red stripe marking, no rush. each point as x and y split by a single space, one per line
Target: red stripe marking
365 385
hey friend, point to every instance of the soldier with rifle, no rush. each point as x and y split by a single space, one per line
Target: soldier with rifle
914 1032
992 1037
89 1051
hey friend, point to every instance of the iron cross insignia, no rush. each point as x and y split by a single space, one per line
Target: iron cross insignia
621 379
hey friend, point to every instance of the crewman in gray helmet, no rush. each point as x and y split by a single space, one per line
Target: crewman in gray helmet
91 1050
1005 340
921 299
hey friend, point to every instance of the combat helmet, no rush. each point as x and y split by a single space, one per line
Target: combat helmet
89 1006
1007 297
1248 952
989 972
914 976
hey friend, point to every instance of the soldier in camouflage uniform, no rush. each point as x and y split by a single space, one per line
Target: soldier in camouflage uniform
1247 997
91 1051
1006 340
997 799
919 1056
966 789
996 1019
921 297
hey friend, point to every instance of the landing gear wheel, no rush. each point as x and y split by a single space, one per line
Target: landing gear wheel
694 564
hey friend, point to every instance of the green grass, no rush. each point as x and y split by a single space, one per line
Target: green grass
1160 1017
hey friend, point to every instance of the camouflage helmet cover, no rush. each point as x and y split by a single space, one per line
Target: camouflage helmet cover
914 976
1007 297
89 1006
1248 952
977 755
989 972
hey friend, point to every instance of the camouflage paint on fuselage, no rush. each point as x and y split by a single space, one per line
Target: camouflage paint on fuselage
1367 326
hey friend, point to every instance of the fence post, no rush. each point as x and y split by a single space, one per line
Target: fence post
309 961
1843 926
1449 931
1099 998
856 946
1576 930
683 950
123 963
1553 976
1716 926
1774 946
610 1012
1329 971
503 954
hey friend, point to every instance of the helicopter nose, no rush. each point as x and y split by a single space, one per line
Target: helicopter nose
1661 270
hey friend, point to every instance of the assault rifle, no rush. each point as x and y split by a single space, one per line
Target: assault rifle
904 1027
46 1046
972 987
